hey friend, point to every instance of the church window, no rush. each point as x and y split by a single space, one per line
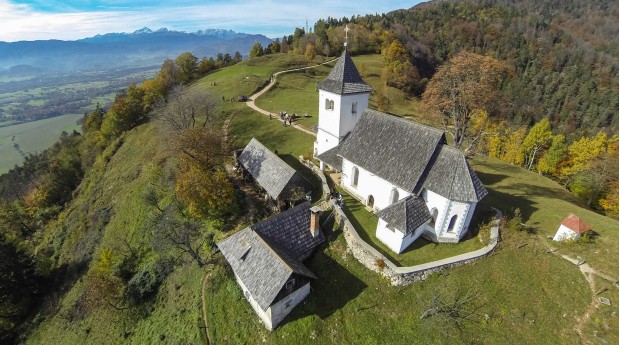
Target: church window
452 223
354 177
394 196
327 104
354 108
331 105
371 201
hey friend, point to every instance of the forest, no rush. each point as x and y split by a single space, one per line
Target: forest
553 104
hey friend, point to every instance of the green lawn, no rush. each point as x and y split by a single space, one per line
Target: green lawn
544 204
32 137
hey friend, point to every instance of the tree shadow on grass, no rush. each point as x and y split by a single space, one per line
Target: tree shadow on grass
509 202
489 178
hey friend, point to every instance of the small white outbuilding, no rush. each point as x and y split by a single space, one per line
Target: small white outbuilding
571 228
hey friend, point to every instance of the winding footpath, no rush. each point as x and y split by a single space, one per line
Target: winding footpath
251 101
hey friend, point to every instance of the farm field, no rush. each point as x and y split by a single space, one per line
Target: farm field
31 137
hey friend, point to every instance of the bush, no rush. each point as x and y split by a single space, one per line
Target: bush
146 281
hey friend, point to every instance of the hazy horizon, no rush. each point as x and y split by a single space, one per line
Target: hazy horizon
28 20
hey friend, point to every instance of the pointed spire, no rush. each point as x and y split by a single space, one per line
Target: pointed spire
344 78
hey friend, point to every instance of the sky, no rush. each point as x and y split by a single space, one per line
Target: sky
27 20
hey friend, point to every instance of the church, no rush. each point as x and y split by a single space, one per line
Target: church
404 172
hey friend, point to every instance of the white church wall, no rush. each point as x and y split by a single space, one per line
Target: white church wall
396 240
348 119
369 184
565 234
446 210
324 142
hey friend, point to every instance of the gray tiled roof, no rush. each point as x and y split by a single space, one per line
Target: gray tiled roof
331 158
406 214
271 172
344 78
451 176
262 266
395 149
291 230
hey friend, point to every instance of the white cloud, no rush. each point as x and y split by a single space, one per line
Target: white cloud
270 17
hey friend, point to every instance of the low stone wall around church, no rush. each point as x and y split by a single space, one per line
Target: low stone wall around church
375 261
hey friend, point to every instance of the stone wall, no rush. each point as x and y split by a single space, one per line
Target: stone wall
375 261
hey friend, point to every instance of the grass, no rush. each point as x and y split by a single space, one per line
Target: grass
351 305
32 137
544 204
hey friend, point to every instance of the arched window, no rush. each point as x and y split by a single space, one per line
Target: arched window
331 105
394 196
355 174
354 108
326 104
452 223
434 213
371 201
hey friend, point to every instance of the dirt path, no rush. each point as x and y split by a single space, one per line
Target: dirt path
204 305
250 102
589 273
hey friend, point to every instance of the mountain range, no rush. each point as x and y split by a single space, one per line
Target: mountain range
141 47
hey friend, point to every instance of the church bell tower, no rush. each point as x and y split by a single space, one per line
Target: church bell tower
343 97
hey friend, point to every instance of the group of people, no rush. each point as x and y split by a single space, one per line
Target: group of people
285 118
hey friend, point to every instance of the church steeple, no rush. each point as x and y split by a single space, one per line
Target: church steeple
344 78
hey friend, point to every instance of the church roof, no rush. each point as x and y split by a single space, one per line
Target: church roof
406 215
271 172
344 78
576 224
291 230
395 149
262 265
331 158
451 176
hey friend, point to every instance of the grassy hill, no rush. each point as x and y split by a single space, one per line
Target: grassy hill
522 293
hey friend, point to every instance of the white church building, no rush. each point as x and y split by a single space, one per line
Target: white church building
403 171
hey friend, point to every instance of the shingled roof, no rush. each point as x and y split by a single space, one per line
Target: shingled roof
406 214
576 224
344 78
451 177
395 149
331 157
262 265
271 172
291 230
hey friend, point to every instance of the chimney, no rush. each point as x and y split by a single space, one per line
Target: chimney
314 221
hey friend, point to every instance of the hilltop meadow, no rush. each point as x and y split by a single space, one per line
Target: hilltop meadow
519 291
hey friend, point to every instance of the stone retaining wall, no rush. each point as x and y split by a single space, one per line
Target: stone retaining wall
368 256
375 261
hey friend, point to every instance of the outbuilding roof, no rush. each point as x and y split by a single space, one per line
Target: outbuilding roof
576 224
291 230
262 265
406 215
344 78
270 171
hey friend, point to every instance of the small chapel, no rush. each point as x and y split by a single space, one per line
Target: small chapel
405 172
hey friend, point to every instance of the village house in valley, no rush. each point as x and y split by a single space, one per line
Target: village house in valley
403 171
266 259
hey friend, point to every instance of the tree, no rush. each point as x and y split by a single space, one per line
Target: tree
466 83
512 153
551 160
188 64
274 47
189 108
581 155
284 45
237 57
206 65
200 145
536 140
169 74
256 50
310 52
